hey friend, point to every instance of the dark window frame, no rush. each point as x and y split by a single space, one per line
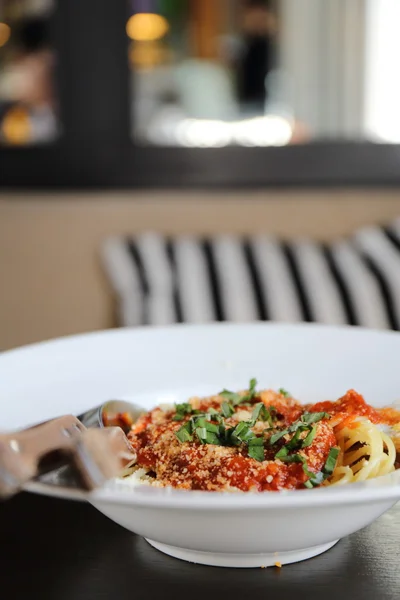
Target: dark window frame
95 149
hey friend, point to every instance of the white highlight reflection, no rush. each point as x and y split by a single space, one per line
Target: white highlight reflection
268 130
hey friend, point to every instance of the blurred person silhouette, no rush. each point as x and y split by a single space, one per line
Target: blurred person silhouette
256 58
31 117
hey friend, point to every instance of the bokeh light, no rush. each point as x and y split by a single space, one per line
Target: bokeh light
5 33
146 27
16 127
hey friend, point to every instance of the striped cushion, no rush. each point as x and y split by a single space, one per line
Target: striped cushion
161 280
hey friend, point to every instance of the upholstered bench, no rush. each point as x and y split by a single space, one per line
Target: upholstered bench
159 280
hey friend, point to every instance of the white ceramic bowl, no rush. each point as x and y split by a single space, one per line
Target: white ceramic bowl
163 365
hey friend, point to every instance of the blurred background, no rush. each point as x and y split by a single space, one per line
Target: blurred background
155 96
259 73
206 73
28 108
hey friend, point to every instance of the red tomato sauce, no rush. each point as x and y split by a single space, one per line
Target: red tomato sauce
352 405
199 466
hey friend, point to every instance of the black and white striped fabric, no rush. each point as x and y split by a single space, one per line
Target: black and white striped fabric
161 280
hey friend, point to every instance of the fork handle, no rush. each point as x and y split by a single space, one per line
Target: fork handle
97 454
21 452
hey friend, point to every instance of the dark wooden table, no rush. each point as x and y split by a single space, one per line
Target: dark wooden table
68 551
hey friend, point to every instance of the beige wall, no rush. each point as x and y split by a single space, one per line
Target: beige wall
51 279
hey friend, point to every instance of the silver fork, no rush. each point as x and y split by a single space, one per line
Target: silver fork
91 444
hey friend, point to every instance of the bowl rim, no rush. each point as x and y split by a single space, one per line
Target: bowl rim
164 329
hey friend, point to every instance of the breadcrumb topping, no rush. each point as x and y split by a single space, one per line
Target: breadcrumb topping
193 465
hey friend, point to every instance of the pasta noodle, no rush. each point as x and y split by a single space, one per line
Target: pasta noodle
365 452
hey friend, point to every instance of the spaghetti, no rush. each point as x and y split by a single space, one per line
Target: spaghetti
263 441
365 452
